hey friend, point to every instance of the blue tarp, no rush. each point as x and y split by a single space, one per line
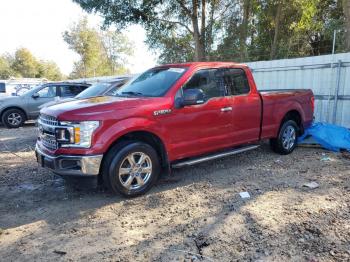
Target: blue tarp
331 137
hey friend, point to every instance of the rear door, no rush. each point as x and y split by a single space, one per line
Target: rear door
205 127
246 106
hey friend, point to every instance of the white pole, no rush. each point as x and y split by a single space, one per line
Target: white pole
334 36
333 73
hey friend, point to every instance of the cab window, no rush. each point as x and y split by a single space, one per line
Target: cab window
48 91
208 80
235 81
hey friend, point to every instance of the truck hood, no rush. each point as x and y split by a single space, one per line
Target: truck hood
93 108
56 102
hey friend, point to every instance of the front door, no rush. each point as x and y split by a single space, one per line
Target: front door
201 128
44 95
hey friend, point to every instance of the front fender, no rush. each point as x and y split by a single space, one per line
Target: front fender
118 129
110 131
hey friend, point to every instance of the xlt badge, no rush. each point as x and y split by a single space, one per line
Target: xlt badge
161 112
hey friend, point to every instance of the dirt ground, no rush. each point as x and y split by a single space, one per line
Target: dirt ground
195 215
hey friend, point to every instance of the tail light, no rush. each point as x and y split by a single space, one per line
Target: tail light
312 100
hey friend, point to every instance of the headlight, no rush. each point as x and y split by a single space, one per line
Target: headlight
76 134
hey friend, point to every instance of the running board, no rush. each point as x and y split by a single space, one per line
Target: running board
194 161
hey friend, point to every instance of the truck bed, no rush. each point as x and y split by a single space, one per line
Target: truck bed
282 100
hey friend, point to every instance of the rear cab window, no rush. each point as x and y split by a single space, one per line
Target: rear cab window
235 81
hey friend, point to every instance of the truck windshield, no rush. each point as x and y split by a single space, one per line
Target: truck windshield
94 90
152 83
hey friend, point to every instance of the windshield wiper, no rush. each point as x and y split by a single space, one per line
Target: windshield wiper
132 93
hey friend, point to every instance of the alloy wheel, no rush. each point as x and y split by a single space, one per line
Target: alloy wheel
135 170
289 137
14 119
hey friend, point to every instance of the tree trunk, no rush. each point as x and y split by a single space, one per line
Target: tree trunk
244 31
203 37
209 31
198 39
278 19
346 11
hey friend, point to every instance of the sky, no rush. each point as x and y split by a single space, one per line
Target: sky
38 26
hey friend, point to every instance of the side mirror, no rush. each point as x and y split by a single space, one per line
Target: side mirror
35 95
193 97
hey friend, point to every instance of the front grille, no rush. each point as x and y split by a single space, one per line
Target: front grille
48 120
47 131
48 141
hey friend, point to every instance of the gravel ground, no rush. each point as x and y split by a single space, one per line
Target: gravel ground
195 215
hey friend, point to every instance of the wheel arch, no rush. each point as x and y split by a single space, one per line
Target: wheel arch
296 116
149 138
13 107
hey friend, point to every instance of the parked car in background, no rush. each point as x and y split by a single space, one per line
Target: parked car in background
107 87
18 86
169 117
15 110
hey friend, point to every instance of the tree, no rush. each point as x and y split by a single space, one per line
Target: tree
182 18
239 30
25 64
87 43
244 29
49 70
117 48
101 53
5 68
346 11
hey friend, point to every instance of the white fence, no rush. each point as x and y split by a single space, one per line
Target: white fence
328 76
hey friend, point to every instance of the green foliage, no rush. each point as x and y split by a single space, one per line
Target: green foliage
101 53
240 30
50 71
24 64
5 68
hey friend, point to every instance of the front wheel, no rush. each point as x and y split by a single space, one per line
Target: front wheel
286 141
131 168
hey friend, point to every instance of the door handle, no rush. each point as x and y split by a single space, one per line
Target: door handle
226 109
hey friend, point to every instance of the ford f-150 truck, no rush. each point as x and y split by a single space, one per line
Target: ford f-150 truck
169 117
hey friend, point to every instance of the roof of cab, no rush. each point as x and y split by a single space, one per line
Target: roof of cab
198 64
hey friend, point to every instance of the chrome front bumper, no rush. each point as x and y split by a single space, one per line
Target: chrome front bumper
70 165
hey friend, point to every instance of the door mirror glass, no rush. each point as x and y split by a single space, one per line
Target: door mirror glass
192 97
35 95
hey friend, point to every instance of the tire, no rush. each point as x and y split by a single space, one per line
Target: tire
13 118
286 140
122 176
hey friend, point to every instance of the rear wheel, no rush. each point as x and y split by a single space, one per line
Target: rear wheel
131 168
286 140
13 118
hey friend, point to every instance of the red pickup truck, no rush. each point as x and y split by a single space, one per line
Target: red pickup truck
170 116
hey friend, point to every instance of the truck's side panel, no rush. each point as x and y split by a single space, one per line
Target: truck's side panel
278 104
